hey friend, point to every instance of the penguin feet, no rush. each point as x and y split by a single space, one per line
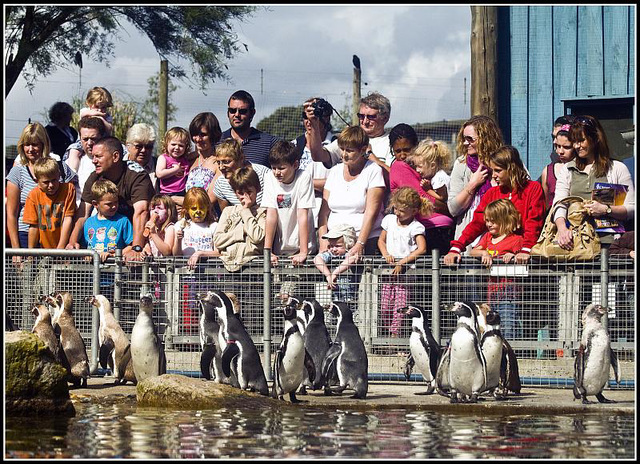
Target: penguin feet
474 398
293 399
602 399
586 401
453 397
303 390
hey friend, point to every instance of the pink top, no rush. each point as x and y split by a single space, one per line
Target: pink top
174 184
403 175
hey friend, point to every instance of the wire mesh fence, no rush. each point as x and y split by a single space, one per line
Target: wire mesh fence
540 303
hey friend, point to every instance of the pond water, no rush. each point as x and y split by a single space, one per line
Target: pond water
128 431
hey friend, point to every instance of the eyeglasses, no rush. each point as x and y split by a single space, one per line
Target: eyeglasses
200 134
225 162
140 146
468 138
370 117
242 111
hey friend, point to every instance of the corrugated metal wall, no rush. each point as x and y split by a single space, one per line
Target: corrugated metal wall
551 53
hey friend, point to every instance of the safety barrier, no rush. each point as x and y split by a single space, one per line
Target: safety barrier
548 297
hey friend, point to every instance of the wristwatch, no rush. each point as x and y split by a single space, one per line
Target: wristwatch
608 209
137 248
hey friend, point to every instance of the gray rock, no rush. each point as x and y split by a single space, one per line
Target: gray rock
35 384
182 392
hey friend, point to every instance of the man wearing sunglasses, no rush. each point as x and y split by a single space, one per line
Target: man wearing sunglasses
255 143
373 114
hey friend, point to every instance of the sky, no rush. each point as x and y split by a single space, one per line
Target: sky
418 56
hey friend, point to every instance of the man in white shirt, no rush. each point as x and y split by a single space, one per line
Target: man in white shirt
374 113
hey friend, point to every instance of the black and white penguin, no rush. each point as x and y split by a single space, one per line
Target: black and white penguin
240 354
467 364
425 350
147 350
442 374
316 341
346 358
502 364
44 330
115 348
594 357
73 346
212 343
302 318
291 359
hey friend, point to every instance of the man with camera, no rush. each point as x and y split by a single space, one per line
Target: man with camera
255 143
374 113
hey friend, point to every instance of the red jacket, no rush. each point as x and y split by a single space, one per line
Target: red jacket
529 203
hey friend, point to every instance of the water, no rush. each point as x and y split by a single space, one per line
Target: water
126 431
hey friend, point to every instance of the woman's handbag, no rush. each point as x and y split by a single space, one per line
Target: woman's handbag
586 243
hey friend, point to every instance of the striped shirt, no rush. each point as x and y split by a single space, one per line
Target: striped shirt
256 146
222 189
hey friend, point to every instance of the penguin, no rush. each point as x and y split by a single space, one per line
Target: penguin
346 357
442 374
502 364
239 353
316 341
73 346
467 364
594 356
115 348
302 318
44 330
291 359
54 303
147 350
212 343
424 350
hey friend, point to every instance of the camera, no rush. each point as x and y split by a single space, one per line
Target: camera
321 108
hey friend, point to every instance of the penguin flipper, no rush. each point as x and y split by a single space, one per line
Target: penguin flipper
162 368
227 357
276 374
442 374
578 373
126 359
310 366
208 353
512 376
435 354
105 350
616 365
329 362
408 367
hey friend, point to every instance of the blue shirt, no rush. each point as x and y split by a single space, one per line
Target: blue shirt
107 234
256 146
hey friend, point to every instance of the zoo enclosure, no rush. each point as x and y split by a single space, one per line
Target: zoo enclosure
550 297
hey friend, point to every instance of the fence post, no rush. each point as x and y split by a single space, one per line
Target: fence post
95 317
266 330
604 283
117 283
435 294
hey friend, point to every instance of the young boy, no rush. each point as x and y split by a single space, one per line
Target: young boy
341 238
50 207
239 236
289 199
107 230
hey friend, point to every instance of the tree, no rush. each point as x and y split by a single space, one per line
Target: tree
38 39
285 122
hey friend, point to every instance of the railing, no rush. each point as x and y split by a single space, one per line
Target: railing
549 299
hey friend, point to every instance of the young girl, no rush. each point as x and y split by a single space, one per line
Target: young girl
563 146
402 240
502 220
160 228
173 166
431 159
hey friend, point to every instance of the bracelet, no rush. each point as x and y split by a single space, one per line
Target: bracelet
361 243
470 193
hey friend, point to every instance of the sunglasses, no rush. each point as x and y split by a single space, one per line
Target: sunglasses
468 138
139 146
585 121
242 111
370 117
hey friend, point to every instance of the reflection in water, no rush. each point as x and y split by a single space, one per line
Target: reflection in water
125 431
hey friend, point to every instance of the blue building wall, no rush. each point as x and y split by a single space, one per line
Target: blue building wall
550 54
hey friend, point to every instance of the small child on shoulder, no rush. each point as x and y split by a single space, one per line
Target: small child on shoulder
173 166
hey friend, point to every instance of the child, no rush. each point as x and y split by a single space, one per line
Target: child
289 199
341 238
160 228
107 230
239 236
194 231
98 102
430 160
173 166
49 209
402 240
502 220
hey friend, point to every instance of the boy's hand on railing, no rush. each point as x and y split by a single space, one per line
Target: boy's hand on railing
507 257
274 259
298 259
397 269
451 259
390 259
522 258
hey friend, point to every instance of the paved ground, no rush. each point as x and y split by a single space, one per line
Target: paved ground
384 394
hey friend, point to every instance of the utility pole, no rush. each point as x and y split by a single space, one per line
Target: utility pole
356 90
163 98
484 61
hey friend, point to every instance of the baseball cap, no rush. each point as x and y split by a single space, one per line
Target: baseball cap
341 230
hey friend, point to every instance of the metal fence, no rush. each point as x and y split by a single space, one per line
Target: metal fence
548 297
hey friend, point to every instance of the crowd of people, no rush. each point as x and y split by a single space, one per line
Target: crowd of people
323 198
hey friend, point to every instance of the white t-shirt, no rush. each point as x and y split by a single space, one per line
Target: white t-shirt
401 241
379 146
347 200
287 199
439 179
197 237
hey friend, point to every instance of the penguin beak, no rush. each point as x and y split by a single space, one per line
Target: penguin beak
90 300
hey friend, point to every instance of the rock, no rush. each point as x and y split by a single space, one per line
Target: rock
35 383
182 392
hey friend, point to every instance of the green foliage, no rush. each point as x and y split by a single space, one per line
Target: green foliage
39 39
285 122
